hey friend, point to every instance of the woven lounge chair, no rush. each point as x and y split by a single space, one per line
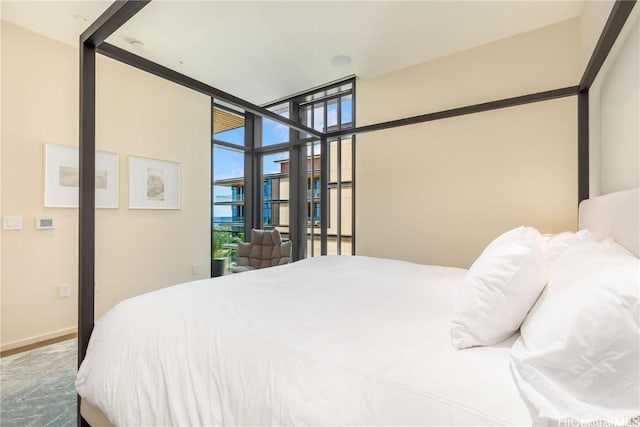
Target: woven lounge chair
265 250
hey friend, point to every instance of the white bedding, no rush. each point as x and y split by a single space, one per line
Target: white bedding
329 340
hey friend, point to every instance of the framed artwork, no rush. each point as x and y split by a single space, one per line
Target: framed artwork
153 184
62 177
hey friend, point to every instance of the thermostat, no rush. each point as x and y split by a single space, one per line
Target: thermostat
44 223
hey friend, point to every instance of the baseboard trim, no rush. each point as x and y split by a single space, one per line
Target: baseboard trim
38 341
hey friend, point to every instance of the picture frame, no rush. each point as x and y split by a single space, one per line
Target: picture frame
62 177
153 183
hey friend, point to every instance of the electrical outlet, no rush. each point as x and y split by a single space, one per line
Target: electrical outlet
64 290
195 269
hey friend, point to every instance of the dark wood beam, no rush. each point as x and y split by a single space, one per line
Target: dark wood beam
86 218
583 145
461 111
86 249
136 61
110 20
617 18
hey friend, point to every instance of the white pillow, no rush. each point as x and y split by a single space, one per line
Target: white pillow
577 359
499 289
556 244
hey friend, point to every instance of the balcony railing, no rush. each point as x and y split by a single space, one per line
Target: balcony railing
266 197
230 220
229 198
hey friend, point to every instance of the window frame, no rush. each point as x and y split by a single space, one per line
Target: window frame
254 152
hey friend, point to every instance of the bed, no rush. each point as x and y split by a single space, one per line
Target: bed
324 341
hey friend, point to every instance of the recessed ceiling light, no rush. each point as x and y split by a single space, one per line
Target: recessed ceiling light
81 18
138 45
341 60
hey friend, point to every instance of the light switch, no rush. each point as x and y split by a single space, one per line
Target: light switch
64 290
12 222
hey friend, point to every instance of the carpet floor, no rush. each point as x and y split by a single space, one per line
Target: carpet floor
37 387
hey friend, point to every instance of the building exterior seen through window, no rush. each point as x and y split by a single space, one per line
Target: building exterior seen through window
228 214
233 144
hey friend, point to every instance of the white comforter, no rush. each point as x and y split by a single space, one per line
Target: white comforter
330 340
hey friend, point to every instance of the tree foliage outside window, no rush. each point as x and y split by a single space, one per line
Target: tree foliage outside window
224 241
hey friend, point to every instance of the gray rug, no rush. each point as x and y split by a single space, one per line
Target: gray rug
37 387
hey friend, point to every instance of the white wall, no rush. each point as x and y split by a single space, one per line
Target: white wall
438 192
614 119
136 250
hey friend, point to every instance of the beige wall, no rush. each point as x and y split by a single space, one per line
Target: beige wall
591 22
136 250
614 105
1 138
438 192
535 61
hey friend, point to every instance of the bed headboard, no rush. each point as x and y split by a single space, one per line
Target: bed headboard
614 215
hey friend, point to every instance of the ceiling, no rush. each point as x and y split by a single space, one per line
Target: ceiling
54 19
265 50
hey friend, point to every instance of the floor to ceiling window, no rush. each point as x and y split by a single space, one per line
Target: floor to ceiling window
341 197
328 110
313 209
228 187
266 175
